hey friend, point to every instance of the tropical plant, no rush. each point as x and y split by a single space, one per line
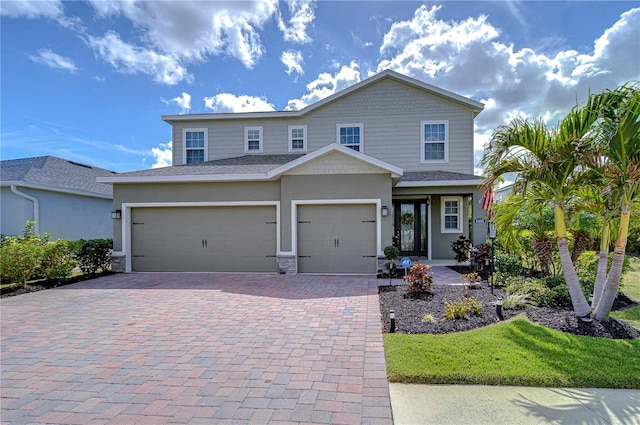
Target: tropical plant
462 307
614 158
419 279
461 247
545 162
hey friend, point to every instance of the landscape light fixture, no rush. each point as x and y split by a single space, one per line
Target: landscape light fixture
116 215
392 325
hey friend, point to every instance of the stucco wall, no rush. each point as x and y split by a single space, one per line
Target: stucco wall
189 192
64 216
320 187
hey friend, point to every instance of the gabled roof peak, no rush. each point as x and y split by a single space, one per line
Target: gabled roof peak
475 106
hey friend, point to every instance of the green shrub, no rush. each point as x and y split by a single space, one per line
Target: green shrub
20 256
463 306
57 261
537 291
94 255
509 265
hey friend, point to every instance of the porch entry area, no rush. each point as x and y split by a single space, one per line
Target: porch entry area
411 223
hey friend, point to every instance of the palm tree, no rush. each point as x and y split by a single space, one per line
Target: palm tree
545 161
616 159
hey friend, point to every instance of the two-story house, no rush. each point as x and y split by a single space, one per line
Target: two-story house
319 190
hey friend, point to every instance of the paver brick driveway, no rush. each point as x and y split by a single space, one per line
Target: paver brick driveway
195 348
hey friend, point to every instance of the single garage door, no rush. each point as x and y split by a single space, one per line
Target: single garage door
337 239
204 239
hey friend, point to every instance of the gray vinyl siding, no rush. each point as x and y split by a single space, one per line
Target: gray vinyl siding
390 112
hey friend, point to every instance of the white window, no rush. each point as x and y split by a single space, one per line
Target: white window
434 144
195 145
351 136
297 138
451 217
253 139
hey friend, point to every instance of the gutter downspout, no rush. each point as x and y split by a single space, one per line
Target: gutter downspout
36 207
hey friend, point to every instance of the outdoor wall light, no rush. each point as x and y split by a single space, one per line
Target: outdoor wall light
116 215
385 210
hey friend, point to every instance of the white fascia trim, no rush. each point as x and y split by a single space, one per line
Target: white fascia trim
294 219
126 221
395 171
58 189
440 183
185 178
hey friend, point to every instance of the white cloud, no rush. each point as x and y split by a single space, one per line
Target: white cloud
302 15
468 57
54 60
162 155
292 60
326 85
227 102
183 101
32 9
193 30
129 59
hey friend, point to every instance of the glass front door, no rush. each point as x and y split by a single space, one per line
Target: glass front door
410 231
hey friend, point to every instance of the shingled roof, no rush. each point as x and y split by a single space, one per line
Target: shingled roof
50 172
247 164
438 178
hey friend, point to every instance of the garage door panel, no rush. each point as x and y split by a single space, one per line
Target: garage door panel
337 239
229 239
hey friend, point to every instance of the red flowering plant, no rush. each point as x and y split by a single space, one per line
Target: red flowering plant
419 279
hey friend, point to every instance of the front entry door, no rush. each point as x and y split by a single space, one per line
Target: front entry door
410 230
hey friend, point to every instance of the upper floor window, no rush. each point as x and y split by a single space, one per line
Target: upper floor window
297 138
435 141
351 136
253 139
451 218
195 145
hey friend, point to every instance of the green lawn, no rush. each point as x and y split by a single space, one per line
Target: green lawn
518 352
515 352
631 288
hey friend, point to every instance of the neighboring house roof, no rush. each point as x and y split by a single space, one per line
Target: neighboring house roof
247 167
438 178
475 106
55 174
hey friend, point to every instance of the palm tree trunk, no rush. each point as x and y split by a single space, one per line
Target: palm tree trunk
613 279
603 259
580 305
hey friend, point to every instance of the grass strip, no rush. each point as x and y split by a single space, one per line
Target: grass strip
630 315
515 352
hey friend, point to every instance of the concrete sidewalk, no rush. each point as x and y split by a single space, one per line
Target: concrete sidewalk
494 405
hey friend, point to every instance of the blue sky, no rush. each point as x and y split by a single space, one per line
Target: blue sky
88 81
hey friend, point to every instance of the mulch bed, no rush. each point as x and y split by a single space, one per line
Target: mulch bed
410 311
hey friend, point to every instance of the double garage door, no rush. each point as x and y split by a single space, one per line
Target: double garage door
204 239
331 239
